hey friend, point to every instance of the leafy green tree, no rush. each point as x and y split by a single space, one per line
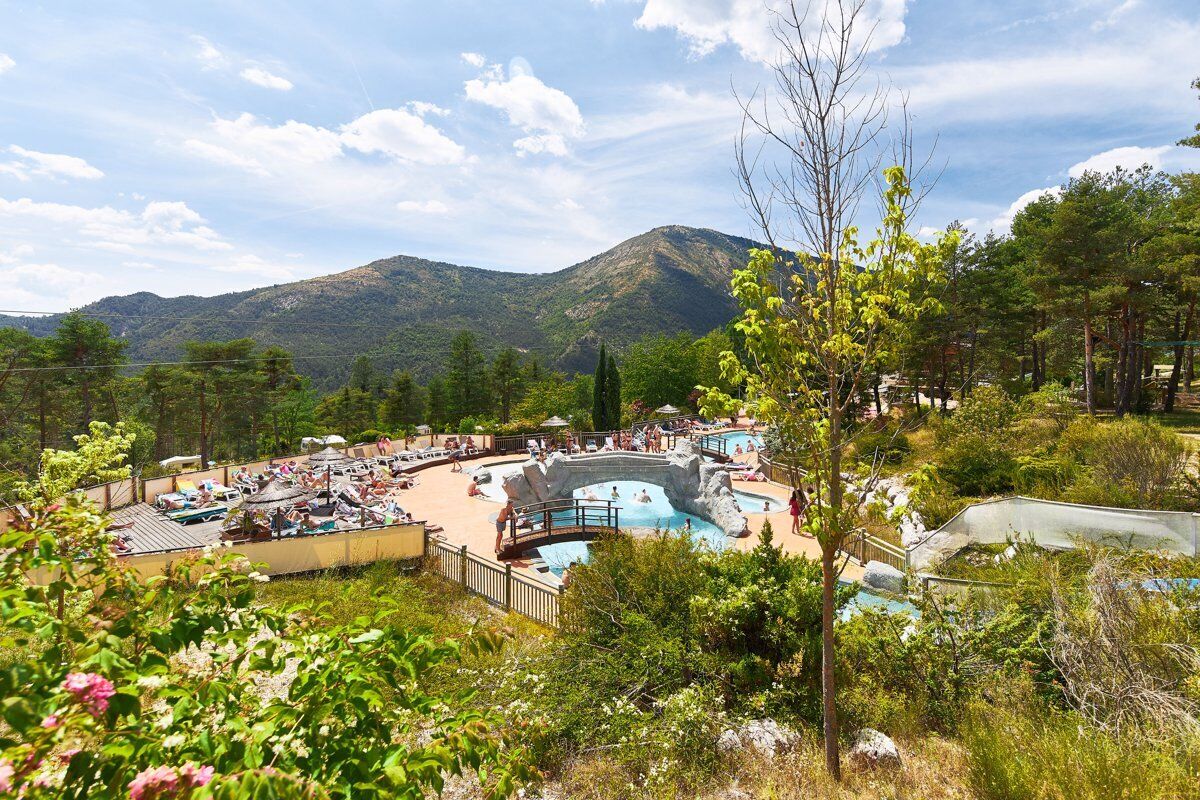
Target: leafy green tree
100 456
600 420
817 328
466 379
660 369
612 392
346 411
507 381
436 415
89 349
402 406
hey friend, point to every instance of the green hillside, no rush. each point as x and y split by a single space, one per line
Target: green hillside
404 310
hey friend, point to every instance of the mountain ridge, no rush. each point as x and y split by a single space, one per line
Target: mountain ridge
403 309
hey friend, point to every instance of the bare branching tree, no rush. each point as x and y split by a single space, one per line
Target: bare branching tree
823 312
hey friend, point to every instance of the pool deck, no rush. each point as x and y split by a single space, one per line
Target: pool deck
441 498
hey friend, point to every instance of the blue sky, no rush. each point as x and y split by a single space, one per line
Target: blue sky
202 148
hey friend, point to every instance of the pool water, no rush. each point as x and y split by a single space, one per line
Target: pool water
743 438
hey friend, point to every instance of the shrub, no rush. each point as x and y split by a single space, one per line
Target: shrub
115 683
933 498
1019 748
1141 461
987 413
977 466
884 446
369 436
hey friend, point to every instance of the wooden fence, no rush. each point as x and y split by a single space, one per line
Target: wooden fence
494 583
863 547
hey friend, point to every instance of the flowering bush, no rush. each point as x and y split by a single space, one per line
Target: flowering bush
180 686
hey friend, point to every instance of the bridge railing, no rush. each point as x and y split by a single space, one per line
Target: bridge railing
711 444
495 583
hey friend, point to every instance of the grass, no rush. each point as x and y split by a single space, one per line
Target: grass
339 596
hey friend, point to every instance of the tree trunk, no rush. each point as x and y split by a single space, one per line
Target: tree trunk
833 761
1177 364
878 401
1089 354
203 428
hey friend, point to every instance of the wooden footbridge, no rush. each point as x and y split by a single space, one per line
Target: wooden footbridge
555 521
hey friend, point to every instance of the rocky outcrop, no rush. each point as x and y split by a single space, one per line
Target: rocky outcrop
766 736
883 577
693 485
874 750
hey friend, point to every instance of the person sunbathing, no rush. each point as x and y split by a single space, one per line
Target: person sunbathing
473 489
307 523
205 499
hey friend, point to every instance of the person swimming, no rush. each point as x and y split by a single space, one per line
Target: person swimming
588 494
615 494
644 497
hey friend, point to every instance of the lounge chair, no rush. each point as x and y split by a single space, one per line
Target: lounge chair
591 446
186 515
608 443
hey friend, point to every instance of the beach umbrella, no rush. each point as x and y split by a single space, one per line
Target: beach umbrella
555 422
274 495
327 458
667 409
333 438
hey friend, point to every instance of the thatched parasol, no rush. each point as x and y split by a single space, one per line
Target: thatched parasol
667 409
274 495
329 457
555 422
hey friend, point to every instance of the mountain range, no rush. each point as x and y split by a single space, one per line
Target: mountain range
404 311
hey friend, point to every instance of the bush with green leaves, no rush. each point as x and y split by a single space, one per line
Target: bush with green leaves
181 685
1126 463
882 445
660 626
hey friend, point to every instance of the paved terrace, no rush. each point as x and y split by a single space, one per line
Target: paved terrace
441 498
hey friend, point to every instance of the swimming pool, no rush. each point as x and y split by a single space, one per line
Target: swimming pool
742 438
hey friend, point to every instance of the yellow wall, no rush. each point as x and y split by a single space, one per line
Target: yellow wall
309 553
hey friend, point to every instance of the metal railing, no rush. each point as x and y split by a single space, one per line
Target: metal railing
714 445
494 583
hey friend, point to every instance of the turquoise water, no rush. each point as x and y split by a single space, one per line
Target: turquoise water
865 599
742 438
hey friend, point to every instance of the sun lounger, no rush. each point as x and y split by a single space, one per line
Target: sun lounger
185 515
608 443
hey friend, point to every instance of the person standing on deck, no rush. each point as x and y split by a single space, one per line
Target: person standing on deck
502 519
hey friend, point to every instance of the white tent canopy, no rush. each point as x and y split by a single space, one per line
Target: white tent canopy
325 441
180 461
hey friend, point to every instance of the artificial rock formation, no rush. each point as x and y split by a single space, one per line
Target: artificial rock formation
693 485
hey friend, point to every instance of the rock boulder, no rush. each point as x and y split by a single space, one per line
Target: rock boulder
874 750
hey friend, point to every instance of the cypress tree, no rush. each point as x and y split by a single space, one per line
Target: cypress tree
612 392
599 397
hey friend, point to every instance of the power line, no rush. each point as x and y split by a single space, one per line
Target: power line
196 363
211 318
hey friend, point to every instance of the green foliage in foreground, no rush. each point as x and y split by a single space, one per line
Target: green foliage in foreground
118 686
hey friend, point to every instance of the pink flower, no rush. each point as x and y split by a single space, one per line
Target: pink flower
196 776
150 784
50 722
66 755
6 775
91 690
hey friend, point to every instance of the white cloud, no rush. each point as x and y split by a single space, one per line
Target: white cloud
223 155
168 224
747 24
208 55
549 114
1114 16
260 77
423 206
551 143
402 135
294 142
32 163
27 284
6 63
421 108
256 267
1129 158
474 59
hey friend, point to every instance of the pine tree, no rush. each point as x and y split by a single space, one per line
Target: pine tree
612 393
599 395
